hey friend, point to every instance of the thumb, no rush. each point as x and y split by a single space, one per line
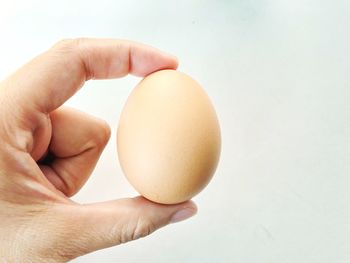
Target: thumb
96 226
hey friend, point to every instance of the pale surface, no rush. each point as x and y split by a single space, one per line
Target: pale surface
278 74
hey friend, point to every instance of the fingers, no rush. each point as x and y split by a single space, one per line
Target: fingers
102 225
77 141
50 79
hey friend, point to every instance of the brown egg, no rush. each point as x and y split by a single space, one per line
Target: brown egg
168 138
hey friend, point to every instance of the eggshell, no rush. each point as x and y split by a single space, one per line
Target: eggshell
168 138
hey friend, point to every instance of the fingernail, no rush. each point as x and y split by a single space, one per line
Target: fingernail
183 214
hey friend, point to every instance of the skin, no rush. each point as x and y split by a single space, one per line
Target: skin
48 151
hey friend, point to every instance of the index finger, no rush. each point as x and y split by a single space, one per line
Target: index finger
50 79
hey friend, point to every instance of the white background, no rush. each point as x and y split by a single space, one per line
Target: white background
278 74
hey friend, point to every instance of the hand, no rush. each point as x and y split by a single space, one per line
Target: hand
48 151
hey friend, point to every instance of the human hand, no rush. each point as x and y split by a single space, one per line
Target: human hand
48 151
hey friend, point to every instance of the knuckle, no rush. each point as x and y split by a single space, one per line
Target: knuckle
78 49
70 190
98 136
103 134
69 43
133 231
142 228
